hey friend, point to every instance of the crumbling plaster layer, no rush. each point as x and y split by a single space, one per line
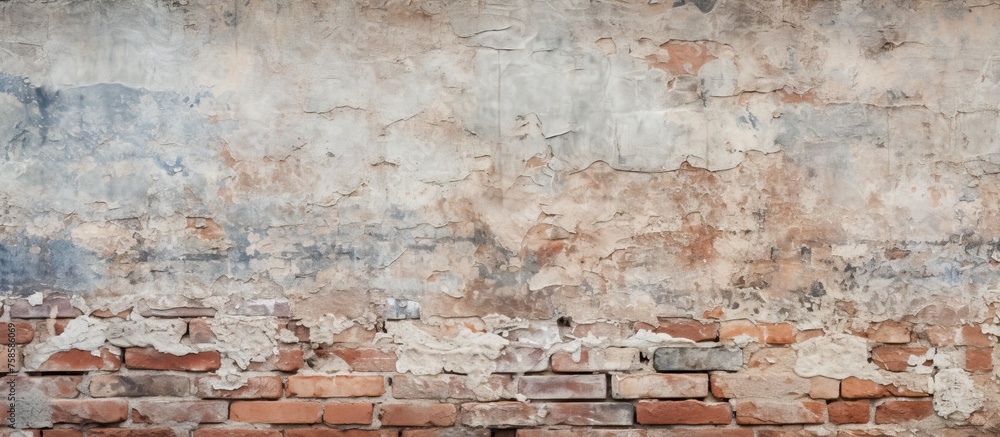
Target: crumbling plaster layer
803 161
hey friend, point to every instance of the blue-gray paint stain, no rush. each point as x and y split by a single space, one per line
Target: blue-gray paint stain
58 265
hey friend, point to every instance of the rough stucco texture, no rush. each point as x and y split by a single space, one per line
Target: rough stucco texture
451 218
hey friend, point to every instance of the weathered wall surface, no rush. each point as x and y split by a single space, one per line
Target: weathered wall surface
501 214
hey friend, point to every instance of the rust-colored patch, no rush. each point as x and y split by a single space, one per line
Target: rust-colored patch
681 57
808 97
206 228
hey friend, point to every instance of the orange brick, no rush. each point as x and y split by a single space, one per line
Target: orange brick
768 333
363 359
978 359
965 335
855 388
257 387
348 413
845 412
287 360
344 386
689 328
276 412
824 388
776 412
902 411
80 361
89 411
149 358
24 332
687 412
895 358
890 332
418 414
63 432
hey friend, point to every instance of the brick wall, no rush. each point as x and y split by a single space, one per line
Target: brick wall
500 217
681 377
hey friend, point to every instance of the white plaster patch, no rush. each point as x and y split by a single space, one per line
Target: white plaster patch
835 356
955 394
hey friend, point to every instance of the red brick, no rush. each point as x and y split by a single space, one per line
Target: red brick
287 360
131 432
89 411
659 385
58 387
587 413
348 413
24 332
80 361
151 359
137 385
418 414
776 412
965 335
824 388
200 331
363 359
978 359
59 307
890 332
895 358
277 412
405 386
902 411
179 411
563 387
854 388
62 432
257 387
343 386
231 432
689 328
845 412
329 432
769 333
499 414
596 360
683 413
